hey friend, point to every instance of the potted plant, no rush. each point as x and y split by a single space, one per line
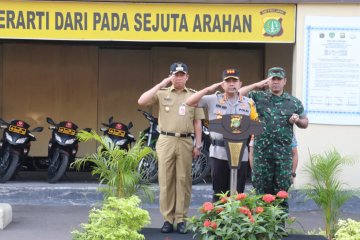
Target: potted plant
241 217
120 216
326 188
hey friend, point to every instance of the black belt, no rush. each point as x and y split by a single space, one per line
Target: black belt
183 135
219 143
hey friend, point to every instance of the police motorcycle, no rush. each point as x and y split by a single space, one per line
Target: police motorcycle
148 165
15 146
119 133
200 167
62 148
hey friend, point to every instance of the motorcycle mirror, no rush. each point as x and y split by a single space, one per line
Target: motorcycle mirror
50 121
33 138
38 129
111 119
87 129
103 129
2 121
130 125
105 124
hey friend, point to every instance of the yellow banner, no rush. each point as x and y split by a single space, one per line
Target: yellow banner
97 21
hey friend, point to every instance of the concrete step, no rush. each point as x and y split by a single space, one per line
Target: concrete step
82 190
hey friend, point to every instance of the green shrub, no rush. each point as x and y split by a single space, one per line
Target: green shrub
348 230
119 218
326 189
117 168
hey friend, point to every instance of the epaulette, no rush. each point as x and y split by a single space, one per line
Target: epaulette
165 88
192 90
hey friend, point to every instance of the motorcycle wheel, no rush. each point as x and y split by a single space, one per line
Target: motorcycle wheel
200 167
8 165
148 168
57 168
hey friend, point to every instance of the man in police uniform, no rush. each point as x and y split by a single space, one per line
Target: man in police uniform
175 148
219 104
279 111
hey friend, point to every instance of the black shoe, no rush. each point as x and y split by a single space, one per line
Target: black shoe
181 228
167 227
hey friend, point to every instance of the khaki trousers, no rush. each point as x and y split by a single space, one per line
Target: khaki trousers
175 158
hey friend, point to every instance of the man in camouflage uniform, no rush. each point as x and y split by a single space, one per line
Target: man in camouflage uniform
175 148
279 111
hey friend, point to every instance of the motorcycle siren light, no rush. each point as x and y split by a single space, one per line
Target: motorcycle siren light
118 126
68 124
20 123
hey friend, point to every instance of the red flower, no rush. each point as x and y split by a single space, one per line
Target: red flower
241 196
282 194
268 198
252 219
213 225
207 223
223 199
244 210
208 206
219 210
259 209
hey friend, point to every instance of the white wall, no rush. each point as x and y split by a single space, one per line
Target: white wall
319 138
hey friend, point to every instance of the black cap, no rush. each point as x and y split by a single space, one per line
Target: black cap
231 73
178 67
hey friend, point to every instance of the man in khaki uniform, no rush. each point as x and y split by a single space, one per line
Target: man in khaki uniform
175 147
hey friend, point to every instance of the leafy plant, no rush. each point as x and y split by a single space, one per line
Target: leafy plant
119 218
348 230
326 190
241 217
115 167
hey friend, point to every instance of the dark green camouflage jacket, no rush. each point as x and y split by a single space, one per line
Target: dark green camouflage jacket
274 112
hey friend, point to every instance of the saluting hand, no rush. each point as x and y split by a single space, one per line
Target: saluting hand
213 87
167 80
263 84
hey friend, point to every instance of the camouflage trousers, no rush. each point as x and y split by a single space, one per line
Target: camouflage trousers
272 169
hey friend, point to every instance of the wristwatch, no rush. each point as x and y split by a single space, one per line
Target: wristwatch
198 147
293 174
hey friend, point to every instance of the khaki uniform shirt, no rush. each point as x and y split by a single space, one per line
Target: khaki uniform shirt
174 115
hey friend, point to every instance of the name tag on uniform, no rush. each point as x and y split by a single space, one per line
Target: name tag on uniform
182 110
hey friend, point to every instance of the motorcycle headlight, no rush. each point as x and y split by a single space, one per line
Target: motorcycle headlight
21 140
120 142
58 138
70 141
8 137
